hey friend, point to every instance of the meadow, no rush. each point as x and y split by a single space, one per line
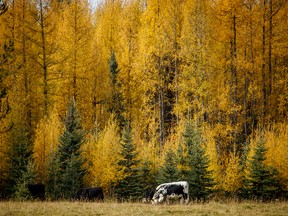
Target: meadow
111 208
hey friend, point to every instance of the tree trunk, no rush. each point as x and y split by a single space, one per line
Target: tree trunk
263 68
44 60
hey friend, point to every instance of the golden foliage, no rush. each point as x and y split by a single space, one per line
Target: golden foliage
212 152
206 61
46 143
275 141
277 151
104 155
233 176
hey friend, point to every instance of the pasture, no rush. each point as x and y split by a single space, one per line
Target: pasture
112 208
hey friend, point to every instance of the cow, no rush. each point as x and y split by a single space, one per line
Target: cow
37 191
148 195
90 194
172 190
3 7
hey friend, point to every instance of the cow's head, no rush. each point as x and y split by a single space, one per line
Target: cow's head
158 200
159 196
3 7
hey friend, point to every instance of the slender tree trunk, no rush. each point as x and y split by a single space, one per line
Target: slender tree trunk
175 43
44 60
75 57
263 68
94 101
270 75
129 100
24 62
160 85
234 81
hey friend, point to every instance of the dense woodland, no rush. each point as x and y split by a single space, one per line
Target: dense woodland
141 92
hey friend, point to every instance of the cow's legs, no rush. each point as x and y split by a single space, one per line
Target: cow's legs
186 198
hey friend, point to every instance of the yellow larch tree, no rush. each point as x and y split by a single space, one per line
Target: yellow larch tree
44 44
233 177
19 110
127 54
158 64
215 163
195 73
46 143
277 151
105 40
104 156
75 33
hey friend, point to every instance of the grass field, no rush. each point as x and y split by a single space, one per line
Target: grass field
97 209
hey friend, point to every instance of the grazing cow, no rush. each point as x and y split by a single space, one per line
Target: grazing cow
171 190
37 191
90 194
148 195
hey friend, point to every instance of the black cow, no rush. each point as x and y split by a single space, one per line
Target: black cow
90 194
171 190
148 195
37 191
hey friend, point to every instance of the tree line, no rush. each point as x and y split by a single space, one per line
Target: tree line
167 90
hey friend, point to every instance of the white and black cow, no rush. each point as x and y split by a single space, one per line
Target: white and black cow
171 190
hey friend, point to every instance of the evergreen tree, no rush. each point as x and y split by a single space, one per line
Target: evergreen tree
19 156
117 106
198 176
182 162
113 66
261 182
130 186
22 192
148 178
169 171
54 178
69 153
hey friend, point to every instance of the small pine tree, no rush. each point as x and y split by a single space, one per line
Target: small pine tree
69 153
19 156
168 171
148 179
54 178
261 182
129 188
182 163
117 107
113 66
199 178
28 176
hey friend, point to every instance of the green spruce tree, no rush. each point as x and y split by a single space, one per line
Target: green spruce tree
168 171
182 162
22 192
116 106
129 188
147 176
69 154
54 178
199 178
19 156
262 183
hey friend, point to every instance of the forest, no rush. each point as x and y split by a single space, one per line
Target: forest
133 93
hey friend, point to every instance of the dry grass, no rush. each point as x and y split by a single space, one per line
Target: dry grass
95 209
